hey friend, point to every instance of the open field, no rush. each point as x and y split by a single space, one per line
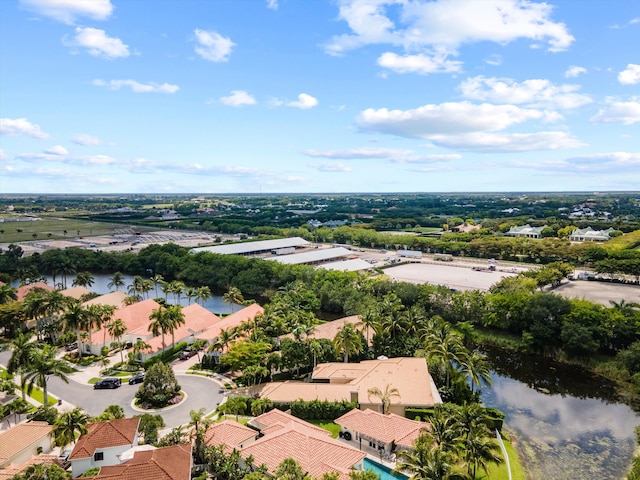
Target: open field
460 278
56 228
599 292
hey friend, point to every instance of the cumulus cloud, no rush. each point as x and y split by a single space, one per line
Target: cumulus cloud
67 11
212 46
56 155
86 140
97 43
21 126
420 63
534 92
507 142
137 87
630 75
626 113
494 60
427 30
331 167
573 71
238 98
445 118
304 102
272 4
57 150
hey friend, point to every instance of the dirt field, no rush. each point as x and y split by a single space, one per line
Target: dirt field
599 292
458 277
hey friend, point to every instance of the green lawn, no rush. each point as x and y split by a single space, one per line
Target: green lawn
334 428
499 472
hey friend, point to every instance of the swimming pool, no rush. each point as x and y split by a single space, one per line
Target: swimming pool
385 473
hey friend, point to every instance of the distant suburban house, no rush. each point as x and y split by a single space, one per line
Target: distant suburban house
329 330
14 469
23 290
103 444
352 381
277 435
75 292
590 235
115 299
525 231
22 441
148 462
385 433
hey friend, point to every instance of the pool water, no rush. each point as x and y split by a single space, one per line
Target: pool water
384 472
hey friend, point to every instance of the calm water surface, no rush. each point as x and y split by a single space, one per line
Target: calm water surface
569 423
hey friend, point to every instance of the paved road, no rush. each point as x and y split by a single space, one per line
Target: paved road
201 392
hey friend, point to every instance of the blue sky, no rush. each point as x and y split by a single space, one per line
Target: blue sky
225 96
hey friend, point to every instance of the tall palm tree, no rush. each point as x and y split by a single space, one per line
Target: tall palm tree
67 425
22 349
477 369
204 293
145 287
117 281
135 289
101 316
426 462
117 329
370 320
7 294
175 318
384 396
348 340
76 318
43 365
159 323
199 424
83 279
233 297
442 345
157 279
191 293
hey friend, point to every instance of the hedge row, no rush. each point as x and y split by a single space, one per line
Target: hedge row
494 417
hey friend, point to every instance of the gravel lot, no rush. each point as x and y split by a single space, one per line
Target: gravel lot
599 292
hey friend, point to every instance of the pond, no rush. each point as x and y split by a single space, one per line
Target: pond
569 423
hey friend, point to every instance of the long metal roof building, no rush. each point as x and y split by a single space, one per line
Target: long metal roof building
314 256
251 248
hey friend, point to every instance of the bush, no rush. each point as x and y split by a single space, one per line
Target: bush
168 356
320 410
159 388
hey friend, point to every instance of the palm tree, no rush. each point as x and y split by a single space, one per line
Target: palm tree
138 347
117 281
204 293
136 286
385 397
145 287
175 318
156 280
191 293
83 279
199 424
67 425
426 462
7 294
159 323
101 316
43 365
477 369
22 349
348 340
76 318
117 329
233 297
369 319
442 345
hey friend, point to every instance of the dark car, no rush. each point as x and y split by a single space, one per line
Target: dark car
71 346
107 383
187 353
137 378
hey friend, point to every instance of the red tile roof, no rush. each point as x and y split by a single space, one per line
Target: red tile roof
21 436
111 433
167 463
134 316
387 428
230 321
229 434
23 290
275 419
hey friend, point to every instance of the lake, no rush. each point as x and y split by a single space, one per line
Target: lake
569 424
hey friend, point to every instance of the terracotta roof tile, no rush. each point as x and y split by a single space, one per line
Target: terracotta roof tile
387 428
230 321
228 433
23 290
167 463
278 418
110 433
75 292
21 436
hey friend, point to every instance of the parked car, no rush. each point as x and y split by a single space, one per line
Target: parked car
137 378
187 353
107 383
71 346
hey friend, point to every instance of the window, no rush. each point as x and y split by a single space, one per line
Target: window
98 456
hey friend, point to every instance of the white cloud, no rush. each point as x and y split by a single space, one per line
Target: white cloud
574 71
55 155
98 43
86 140
392 154
67 11
630 75
212 46
238 98
442 26
626 113
304 102
57 150
331 167
421 63
21 126
507 142
445 118
534 92
3 155
272 4
137 87
494 60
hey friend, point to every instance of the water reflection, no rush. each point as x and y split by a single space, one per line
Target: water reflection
576 429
